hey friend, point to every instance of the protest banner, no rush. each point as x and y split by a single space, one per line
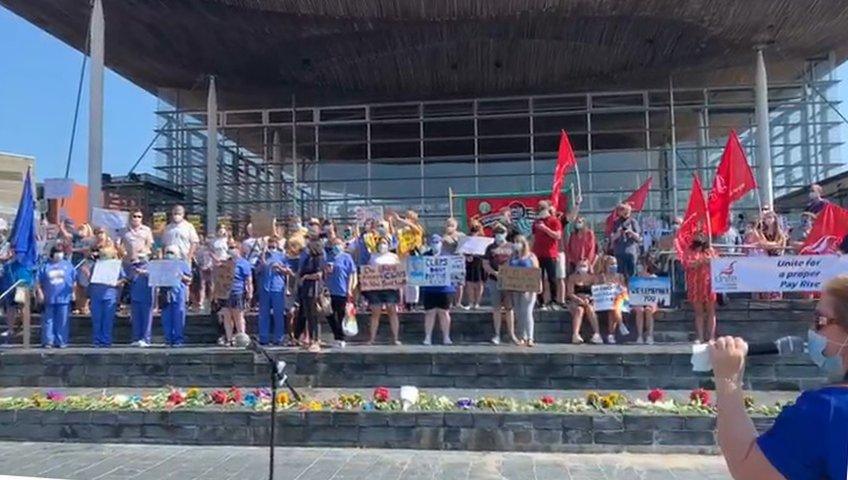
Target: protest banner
57 188
369 212
263 223
381 277
609 296
435 271
801 273
473 245
520 279
165 273
649 291
114 221
489 210
223 277
106 272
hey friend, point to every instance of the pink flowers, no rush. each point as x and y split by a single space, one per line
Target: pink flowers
381 394
699 396
235 395
176 397
656 395
55 396
218 397
547 400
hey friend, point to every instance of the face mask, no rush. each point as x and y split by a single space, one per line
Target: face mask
436 248
814 195
612 269
58 256
178 218
233 252
518 246
583 270
500 237
381 230
544 214
170 255
383 248
337 249
832 366
347 234
579 226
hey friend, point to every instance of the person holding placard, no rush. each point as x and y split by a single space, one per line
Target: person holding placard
240 294
141 302
104 292
272 271
523 302
410 238
475 276
608 275
388 299
578 289
56 280
644 314
437 300
172 301
497 254
450 242
696 262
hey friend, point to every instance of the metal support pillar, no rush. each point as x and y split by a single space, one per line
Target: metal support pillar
674 207
95 109
763 134
211 157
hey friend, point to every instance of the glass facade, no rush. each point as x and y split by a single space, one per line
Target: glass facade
328 160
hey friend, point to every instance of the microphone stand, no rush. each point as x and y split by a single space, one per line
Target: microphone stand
278 377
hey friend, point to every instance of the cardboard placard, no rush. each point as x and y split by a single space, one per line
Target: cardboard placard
106 272
165 273
223 277
609 296
435 271
55 188
263 223
473 245
382 277
650 291
520 279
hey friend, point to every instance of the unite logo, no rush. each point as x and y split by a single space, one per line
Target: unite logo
827 244
726 277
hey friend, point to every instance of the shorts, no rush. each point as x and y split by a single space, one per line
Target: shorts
561 272
437 300
474 272
235 301
498 298
382 297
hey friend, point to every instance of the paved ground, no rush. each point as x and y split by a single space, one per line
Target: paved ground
155 462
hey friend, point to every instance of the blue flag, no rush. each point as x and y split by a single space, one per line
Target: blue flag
23 239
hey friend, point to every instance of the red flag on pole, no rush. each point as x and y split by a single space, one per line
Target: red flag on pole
565 161
829 229
733 180
636 200
697 219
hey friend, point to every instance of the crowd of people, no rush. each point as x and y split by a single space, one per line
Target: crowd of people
306 274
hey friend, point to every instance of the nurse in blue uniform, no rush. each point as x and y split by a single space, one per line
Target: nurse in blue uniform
272 269
141 302
172 301
104 302
56 285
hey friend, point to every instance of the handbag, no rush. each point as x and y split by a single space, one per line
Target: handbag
324 304
349 326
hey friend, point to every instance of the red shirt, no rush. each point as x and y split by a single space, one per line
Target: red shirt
544 246
581 246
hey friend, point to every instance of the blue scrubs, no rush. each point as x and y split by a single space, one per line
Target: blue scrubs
104 303
172 301
272 297
57 283
141 302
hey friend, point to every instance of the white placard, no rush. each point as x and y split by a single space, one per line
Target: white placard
473 245
372 212
106 272
799 273
604 297
654 291
165 273
58 188
435 271
114 221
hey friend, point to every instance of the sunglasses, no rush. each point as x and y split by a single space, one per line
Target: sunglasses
136 216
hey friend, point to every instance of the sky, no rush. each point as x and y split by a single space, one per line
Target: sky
39 75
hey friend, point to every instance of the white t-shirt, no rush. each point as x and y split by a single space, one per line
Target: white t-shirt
138 241
181 235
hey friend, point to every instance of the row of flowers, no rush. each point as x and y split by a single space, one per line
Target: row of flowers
410 399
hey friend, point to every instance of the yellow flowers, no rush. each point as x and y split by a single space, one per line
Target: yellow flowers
606 402
283 399
193 393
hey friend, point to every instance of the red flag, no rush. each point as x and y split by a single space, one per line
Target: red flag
697 219
636 200
565 161
829 229
733 180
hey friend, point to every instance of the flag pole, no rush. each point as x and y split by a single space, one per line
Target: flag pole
709 222
577 172
450 201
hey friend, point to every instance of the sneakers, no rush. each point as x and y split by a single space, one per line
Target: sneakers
544 308
427 341
465 307
447 341
496 340
649 339
640 341
611 339
142 344
341 344
557 307
136 344
222 341
697 341
623 330
576 339
596 339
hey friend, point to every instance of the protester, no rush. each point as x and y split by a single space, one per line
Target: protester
608 274
141 301
798 234
388 299
451 238
271 287
341 279
104 300
181 234
547 232
138 239
770 237
410 237
579 296
475 275
626 240
172 301
56 280
807 440
524 302
581 245
240 295
817 201
437 299
294 248
644 314
497 254
310 281
696 262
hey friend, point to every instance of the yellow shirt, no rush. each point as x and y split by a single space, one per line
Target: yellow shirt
409 239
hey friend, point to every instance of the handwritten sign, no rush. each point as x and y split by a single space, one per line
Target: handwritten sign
435 271
473 245
165 273
223 277
520 279
55 188
106 272
382 277
114 221
650 291
365 213
609 296
263 223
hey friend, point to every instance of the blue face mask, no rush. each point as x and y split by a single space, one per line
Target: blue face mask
337 249
436 248
612 269
832 366
500 237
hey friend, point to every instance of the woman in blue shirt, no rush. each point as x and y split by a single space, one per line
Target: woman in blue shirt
104 299
272 270
141 302
524 302
809 440
172 301
55 288
340 272
241 292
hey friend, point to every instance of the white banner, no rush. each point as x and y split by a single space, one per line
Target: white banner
106 272
165 273
608 296
473 245
55 188
800 273
114 221
654 291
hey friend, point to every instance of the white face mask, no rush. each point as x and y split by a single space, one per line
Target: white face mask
544 214
583 270
500 237
383 248
58 256
814 195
